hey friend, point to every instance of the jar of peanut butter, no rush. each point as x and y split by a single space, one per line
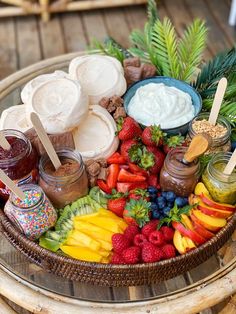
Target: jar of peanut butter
66 184
177 176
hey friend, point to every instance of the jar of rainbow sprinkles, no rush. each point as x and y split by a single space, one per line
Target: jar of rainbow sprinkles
34 215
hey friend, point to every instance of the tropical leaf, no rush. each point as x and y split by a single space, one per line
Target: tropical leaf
190 49
152 12
164 41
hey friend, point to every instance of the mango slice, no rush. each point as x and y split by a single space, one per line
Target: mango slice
94 231
81 253
78 238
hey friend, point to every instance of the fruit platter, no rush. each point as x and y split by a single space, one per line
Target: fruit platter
120 169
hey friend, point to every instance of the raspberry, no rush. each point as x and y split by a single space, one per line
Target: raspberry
168 233
168 251
149 227
157 238
131 255
151 254
139 240
131 231
119 242
117 259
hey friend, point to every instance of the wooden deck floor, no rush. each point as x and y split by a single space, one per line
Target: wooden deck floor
26 40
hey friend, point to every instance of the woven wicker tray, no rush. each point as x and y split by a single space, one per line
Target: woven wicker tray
114 275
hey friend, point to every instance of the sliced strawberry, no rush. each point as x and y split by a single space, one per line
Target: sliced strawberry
114 170
116 158
123 187
104 187
137 170
152 180
126 176
117 206
139 185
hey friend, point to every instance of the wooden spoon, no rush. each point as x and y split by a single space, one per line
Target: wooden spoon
198 146
11 185
45 140
4 142
230 165
219 95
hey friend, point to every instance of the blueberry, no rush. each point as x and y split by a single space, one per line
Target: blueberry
180 202
161 202
152 190
185 201
170 196
152 197
154 206
156 214
166 210
163 194
162 216
170 204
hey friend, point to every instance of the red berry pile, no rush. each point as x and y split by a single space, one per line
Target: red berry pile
145 245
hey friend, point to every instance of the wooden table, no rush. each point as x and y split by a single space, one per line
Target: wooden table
33 289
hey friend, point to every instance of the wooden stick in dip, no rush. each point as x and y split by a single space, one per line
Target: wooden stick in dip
11 185
4 142
230 165
45 140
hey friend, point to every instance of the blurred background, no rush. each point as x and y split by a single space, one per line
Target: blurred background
28 39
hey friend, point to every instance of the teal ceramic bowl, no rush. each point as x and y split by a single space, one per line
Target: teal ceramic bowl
195 96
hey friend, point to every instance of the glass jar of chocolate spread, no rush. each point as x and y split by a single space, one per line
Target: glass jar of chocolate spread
66 184
221 187
34 215
20 162
178 177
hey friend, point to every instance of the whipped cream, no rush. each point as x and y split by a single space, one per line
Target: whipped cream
60 104
156 103
100 76
29 87
15 118
95 136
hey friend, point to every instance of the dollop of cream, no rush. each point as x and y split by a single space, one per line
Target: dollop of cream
60 103
156 103
100 76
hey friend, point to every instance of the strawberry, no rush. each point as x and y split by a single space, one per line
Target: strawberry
137 170
117 259
119 242
131 255
129 129
149 227
113 172
157 238
159 158
137 212
172 142
117 203
139 240
152 136
126 176
104 187
136 194
126 146
131 231
125 187
116 158
152 180
151 254
168 233
169 251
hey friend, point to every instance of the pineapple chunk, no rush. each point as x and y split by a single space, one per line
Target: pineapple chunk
94 231
78 238
81 253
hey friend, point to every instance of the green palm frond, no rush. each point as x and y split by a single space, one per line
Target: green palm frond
190 49
164 41
152 12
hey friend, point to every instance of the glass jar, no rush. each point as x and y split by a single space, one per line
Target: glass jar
219 143
221 187
20 163
34 215
178 177
68 183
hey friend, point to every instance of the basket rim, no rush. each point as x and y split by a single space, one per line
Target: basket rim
101 266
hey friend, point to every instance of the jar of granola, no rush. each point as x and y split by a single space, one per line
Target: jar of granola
219 133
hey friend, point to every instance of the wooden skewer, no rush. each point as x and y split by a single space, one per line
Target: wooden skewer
45 140
219 95
4 142
230 165
11 185
197 147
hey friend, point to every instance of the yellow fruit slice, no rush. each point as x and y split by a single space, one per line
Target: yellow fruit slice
78 238
105 260
105 245
107 223
81 253
104 253
107 213
201 188
94 231
190 243
86 217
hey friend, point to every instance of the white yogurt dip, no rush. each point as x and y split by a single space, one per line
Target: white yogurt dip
156 103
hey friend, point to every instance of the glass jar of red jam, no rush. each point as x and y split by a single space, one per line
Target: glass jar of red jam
20 163
66 184
34 215
177 176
